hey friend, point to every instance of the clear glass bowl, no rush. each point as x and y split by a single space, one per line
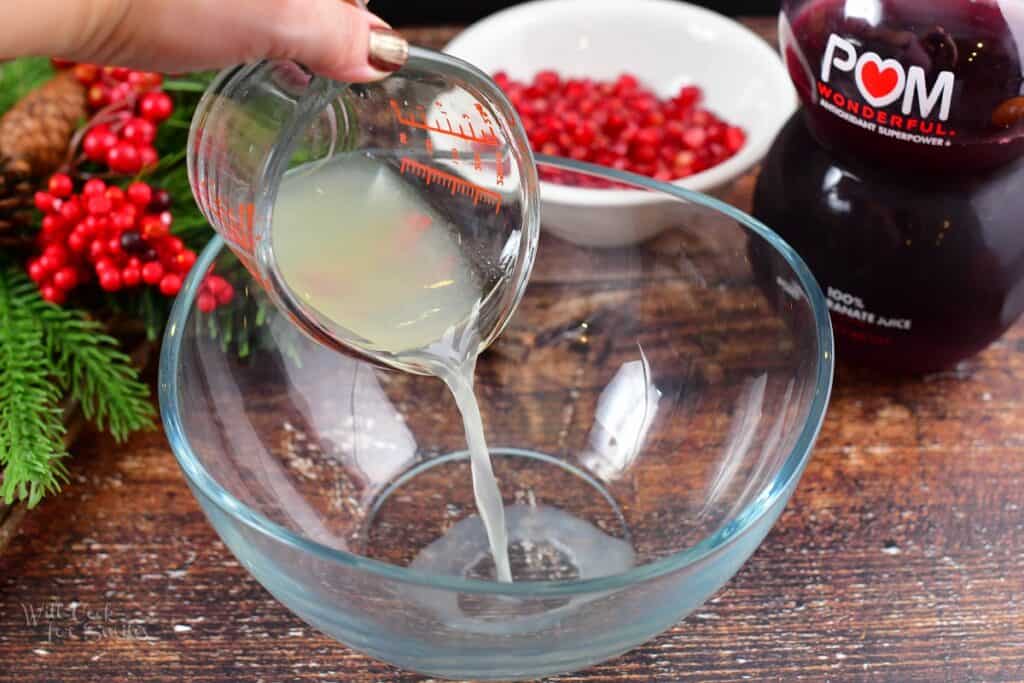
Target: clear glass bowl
656 403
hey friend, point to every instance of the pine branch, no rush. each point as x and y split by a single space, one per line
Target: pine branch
31 425
90 364
19 76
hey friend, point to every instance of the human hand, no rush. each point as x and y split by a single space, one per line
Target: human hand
331 37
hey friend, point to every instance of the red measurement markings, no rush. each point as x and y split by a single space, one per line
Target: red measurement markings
500 163
457 130
456 184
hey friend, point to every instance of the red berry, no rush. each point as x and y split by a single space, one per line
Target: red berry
170 284
60 185
66 278
139 132
37 271
140 194
98 142
90 225
225 294
61 64
55 255
87 74
52 294
52 222
96 251
185 260
145 80
105 264
114 246
44 201
148 156
77 241
121 92
152 227
94 187
174 245
132 243
71 211
122 220
152 273
98 96
99 205
131 276
47 265
124 158
110 280
156 106
116 195
161 201
206 303
118 73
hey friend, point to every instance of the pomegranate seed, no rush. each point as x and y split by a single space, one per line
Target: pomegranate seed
620 123
688 96
694 138
734 139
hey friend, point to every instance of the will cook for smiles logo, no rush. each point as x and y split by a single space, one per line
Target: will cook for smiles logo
894 101
59 621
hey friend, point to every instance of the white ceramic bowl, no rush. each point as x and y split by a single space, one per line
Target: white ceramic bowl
666 44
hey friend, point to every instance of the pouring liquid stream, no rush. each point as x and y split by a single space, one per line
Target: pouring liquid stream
391 273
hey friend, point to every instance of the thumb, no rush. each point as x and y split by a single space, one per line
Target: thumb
338 40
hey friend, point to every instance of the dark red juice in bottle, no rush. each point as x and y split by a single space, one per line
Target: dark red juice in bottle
929 84
920 270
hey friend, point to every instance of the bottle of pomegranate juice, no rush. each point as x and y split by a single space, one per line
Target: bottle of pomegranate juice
901 180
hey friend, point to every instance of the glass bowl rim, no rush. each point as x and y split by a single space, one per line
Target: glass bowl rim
728 533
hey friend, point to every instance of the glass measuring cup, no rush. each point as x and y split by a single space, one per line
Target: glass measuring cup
439 125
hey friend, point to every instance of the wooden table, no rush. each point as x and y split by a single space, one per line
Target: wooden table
900 558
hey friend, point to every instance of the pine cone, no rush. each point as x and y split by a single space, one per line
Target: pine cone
16 199
38 129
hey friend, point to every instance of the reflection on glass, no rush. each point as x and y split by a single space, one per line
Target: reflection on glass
353 416
625 413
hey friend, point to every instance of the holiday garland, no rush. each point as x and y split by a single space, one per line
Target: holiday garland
97 225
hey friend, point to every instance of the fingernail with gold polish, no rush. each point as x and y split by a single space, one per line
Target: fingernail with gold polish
388 49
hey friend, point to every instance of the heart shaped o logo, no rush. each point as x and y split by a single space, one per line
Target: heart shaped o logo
880 81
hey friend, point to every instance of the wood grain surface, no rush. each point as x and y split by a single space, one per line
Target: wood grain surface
900 558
